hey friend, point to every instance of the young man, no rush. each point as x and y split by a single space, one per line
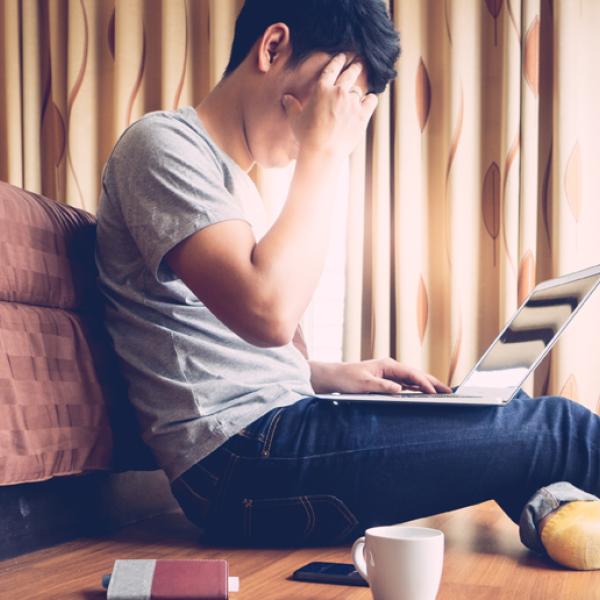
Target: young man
203 299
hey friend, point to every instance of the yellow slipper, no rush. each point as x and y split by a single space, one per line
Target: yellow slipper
571 535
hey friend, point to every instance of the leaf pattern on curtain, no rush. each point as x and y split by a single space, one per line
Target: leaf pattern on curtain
88 70
54 131
177 97
546 196
512 19
490 203
570 389
456 133
455 139
422 308
447 22
526 276
455 350
73 97
111 34
423 94
573 182
454 142
531 60
494 7
138 81
508 163
521 112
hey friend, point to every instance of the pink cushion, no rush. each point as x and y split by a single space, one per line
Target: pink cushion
41 244
63 406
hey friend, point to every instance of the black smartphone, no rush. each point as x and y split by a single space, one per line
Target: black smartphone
326 572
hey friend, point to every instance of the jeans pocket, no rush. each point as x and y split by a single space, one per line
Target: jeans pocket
195 505
295 521
263 429
197 490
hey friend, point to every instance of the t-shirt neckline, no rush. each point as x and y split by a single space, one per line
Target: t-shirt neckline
198 121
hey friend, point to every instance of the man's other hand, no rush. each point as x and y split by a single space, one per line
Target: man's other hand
382 375
335 116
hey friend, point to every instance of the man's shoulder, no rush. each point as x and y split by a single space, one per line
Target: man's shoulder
163 140
163 128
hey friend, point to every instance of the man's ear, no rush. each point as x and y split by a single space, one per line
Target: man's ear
273 45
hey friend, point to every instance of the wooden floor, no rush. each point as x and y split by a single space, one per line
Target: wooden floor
484 559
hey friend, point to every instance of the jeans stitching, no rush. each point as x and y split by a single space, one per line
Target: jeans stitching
198 504
201 467
351 525
405 446
310 513
277 502
192 491
201 504
258 436
307 503
343 509
271 432
340 506
233 458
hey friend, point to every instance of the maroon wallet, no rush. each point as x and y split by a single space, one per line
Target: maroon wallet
169 580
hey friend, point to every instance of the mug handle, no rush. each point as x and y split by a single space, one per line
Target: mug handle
358 557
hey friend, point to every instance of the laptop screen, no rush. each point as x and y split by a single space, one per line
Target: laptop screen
535 327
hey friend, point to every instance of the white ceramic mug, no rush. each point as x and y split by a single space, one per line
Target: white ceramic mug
400 562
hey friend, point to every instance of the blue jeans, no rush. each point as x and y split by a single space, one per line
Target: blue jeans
319 473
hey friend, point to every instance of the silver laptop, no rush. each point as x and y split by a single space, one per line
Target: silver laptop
515 353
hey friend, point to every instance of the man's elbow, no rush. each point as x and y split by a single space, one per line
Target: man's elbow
269 325
282 333
271 333
260 321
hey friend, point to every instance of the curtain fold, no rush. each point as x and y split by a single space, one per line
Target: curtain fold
476 179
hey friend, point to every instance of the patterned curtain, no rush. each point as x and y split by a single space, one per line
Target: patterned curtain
75 73
478 180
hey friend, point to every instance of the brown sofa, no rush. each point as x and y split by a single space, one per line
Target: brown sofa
71 458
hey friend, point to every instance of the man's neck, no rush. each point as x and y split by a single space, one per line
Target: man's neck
221 114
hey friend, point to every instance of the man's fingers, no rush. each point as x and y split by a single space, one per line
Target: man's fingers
369 103
291 105
418 384
348 77
332 70
395 370
425 384
439 386
383 386
421 381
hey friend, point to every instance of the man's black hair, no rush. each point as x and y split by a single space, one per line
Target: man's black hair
359 26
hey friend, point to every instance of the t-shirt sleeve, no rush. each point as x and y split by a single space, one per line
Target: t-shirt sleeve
169 184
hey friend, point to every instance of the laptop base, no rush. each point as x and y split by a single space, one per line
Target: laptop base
415 398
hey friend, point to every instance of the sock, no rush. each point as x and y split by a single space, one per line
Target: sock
571 535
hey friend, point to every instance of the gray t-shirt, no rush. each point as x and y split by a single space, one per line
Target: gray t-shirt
193 381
